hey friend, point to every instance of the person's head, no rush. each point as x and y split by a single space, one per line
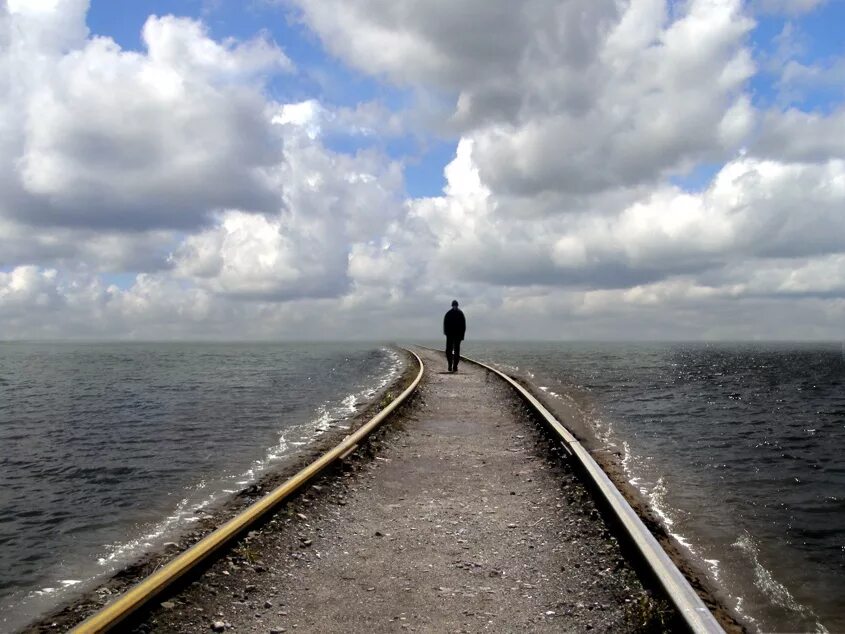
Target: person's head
454 303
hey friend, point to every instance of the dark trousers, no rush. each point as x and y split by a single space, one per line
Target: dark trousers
453 352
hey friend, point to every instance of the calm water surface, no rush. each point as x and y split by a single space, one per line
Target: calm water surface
740 447
106 449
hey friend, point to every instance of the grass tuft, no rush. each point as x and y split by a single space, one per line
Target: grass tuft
649 615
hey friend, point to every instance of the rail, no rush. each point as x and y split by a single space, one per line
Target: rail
141 595
675 586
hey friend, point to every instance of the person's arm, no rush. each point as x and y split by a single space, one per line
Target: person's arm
445 319
463 326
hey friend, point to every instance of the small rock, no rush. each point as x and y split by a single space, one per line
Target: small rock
250 588
268 604
218 626
278 630
302 516
306 542
379 534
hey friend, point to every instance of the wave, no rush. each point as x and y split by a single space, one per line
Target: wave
775 591
198 497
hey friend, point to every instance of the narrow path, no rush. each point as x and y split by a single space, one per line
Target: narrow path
461 521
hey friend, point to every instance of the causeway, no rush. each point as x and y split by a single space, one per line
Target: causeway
460 515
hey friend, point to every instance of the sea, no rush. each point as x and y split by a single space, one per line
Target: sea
738 447
109 449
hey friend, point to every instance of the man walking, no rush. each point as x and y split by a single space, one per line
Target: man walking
454 327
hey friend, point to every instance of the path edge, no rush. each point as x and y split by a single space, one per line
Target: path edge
677 589
152 587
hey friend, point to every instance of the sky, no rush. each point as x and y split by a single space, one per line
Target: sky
343 169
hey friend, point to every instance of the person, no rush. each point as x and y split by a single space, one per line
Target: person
454 327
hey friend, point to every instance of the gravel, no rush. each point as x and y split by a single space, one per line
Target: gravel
458 516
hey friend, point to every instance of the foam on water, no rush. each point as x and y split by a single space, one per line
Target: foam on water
766 582
195 498
723 442
189 507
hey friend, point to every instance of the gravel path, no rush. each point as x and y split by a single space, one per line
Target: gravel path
456 518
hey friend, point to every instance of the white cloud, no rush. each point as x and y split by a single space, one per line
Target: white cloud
28 287
95 136
330 205
575 96
252 256
753 210
559 216
185 47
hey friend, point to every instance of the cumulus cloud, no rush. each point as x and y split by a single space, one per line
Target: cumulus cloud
95 136
796 135
563 212
572 96
27 287
104 251
330 204
753 209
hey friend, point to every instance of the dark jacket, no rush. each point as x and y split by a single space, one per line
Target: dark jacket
455 324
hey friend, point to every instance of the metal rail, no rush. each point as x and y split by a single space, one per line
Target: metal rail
678 590
152 587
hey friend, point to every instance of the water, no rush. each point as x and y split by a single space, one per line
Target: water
739 447
106 449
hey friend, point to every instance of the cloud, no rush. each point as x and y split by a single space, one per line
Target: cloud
801 83
578 96
104 251
95 136
754 209
795 135
331 205
27 287
563 212
785 7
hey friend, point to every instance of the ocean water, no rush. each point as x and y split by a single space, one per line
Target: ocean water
107 449
739 447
